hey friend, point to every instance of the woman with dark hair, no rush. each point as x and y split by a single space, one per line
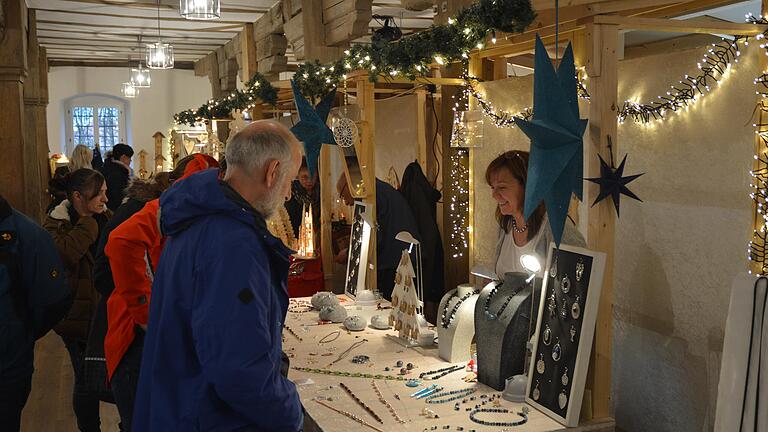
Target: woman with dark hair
74 225
507 176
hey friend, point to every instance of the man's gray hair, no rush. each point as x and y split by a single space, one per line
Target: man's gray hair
252 150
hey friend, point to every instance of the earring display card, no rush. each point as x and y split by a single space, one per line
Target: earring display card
357 256
564 332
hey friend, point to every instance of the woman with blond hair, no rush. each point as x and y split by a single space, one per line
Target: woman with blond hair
81 158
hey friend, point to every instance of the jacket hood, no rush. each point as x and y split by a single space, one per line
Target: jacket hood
142 190
195 197
61 211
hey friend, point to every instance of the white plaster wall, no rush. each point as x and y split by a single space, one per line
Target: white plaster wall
172 91
396 129
678 251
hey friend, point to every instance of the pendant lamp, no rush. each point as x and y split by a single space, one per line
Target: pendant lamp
140 77
200 9
129 91
159 54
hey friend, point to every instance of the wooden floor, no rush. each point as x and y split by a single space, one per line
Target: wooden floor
49 408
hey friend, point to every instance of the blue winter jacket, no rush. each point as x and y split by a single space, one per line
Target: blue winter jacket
34 294
212 352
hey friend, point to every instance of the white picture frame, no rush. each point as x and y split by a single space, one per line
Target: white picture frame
357 255
585 337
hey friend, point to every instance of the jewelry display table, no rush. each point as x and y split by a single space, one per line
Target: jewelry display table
317 346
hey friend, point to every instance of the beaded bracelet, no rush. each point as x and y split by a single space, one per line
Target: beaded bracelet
290 330
452 395
299 307
330 337
349 415
361 403
445 371
386 403
523 414
349 374
483 399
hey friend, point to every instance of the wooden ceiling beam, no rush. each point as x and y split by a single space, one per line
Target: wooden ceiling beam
131 35
140 17
678 26
183 65
129 41
153 6
223 29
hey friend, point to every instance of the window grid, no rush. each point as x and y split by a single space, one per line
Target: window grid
109 127
82 126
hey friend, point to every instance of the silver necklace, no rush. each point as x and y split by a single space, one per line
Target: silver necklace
515 227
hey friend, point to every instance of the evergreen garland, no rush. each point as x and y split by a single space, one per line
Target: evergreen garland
409 57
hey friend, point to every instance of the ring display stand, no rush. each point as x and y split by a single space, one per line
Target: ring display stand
456 323
504 324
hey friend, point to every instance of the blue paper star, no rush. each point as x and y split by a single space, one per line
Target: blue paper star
311 128
613 183
555 169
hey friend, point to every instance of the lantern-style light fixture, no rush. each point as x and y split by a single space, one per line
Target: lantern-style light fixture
159 54
129 91
140 77
200 9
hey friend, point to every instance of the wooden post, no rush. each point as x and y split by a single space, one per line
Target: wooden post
13 71
367 155
421 125
314 34
159 158
327 192
602 67
36 136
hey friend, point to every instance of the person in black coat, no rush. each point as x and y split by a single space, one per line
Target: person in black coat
423 198
393 215
117 173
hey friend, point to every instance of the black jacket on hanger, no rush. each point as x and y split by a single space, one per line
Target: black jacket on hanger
423 198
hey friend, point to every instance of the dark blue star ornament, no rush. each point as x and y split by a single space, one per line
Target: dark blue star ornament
311 128
556 165
613 183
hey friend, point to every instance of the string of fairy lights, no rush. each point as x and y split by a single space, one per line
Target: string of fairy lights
458 202
756 252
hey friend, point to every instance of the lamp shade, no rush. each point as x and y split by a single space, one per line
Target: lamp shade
200 9
160 55
140 77
129 91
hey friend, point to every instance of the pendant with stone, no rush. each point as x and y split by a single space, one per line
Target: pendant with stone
565 286
562 399
540 366
557 351
536 392
576 309
564 378
547 335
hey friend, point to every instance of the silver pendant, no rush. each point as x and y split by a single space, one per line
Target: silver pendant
557 351
573 333
552 306
547 335
536 392
579 269
564 311
540 366
576 309
564 378
562 399
565 286
553 267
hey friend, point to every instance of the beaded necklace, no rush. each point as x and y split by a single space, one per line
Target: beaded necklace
447 322
486 399
293 333
439 398
440 372
361 403
523 414
349 374
350 415
386 403
491 316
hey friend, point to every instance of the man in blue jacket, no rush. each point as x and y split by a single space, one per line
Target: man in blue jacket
213 349
34 296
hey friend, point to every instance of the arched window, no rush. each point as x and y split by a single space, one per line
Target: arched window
96 120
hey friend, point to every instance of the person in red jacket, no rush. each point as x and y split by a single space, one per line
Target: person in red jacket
133 250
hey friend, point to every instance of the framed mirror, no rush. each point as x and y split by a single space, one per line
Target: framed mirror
357 255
